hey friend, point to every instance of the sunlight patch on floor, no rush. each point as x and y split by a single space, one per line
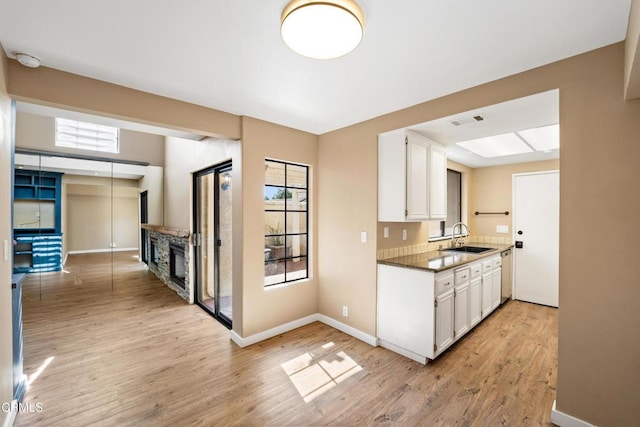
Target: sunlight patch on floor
312 375
36 374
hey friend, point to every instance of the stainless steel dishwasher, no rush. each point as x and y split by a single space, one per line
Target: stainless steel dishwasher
506 275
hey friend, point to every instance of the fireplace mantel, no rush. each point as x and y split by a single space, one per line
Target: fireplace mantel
169 231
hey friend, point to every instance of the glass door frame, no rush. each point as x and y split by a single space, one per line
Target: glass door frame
217 171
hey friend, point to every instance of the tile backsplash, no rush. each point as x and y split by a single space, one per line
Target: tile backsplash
434 246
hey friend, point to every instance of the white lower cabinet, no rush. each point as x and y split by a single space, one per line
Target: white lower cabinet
496 292
475 295
444 321
461 297
421 313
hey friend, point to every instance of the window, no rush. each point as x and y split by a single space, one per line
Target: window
86 136
454 207
286 222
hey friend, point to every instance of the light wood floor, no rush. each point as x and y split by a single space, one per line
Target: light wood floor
132 353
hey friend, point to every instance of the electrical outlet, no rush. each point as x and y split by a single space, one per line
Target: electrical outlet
404 234
112 245
386 232
503 229
363 237
345 311
6 250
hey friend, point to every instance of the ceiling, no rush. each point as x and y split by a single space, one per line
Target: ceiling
228 55
533 111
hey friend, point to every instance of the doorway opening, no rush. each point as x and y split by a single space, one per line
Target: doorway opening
212 210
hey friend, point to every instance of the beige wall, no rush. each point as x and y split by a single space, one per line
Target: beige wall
598 379
153 184
6 341
59 89
37 132
98 214
268 308
183 157
632 53
492 193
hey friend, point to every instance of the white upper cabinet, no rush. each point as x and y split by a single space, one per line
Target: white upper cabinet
412 178
437 182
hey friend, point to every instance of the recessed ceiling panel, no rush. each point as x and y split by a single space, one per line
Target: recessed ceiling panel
506 144
543 138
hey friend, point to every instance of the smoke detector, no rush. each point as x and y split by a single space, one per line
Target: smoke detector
27 60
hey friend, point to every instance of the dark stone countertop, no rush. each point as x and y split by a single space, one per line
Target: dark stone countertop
437 261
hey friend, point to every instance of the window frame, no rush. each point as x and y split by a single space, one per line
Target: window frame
442 224
284 235
114 148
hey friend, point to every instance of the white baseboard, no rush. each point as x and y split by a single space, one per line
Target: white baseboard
404 352
96 251
565 420
270 333
317 317
10 416
349 330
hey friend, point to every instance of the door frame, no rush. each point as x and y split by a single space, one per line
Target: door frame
216 170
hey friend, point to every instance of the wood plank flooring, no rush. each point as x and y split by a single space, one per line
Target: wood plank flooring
130 352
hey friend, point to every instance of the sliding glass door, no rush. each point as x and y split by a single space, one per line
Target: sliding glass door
212 241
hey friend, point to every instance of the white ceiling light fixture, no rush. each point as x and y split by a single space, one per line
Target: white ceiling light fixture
27 60
322 29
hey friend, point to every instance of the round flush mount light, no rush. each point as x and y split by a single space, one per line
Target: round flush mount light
322 29
27 60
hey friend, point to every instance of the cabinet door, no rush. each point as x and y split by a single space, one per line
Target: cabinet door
461 316
497 286
437 182
444 321
487 291
475 302
417 178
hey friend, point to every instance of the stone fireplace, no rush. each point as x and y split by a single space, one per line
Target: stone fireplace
168 250
177 265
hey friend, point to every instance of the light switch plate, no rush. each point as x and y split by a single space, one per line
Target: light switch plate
386 232
404 234
363 237
6 250
503 229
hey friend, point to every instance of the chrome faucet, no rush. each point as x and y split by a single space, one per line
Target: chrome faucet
455 241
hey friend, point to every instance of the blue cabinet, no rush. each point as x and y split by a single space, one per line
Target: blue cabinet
37 253
37 221
19 378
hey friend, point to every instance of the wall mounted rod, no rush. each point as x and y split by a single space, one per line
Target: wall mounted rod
492 213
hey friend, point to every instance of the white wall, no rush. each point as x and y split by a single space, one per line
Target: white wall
6 340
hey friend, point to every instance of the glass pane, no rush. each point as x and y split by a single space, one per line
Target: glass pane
296 199
297 176
296 222
206 251
225 250
296 245
453 199
275 193
273 223
274 173
274 248
273 272
296 269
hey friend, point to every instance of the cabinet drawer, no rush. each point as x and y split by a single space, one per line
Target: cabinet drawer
476 270
444 283
487 265
497 262
462 275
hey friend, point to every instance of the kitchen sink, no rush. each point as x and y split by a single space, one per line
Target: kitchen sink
469 249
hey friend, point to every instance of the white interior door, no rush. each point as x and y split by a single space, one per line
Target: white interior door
536 217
